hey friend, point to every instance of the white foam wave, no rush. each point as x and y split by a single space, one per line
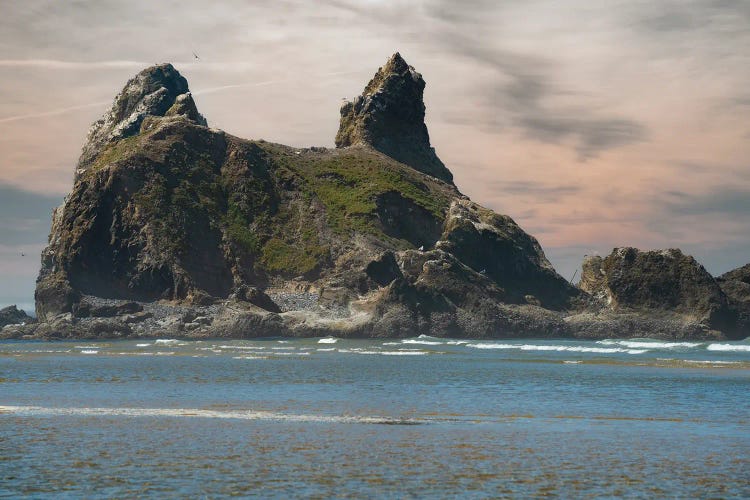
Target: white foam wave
328 340
142 345
421 342
166 341
729 347
240 347
89 351
559 348
383 353
40 411
328 349
649 344
45 351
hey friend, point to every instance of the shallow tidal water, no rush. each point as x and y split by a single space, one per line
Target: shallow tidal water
420 417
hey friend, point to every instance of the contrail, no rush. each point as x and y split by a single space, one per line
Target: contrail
54 112
55 64
209 90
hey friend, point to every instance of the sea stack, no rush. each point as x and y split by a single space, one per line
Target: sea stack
389 116
176 229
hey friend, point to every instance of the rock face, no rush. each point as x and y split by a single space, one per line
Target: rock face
661 283
156 91
176 229
736 285
495 246
389 116
11 315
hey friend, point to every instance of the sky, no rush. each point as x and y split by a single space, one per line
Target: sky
593 124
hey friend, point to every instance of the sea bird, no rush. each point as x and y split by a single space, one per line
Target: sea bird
196 55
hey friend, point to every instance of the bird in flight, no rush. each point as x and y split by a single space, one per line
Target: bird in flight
195 55
23 254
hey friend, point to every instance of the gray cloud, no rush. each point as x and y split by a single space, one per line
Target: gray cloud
593 135
24 216
725 17
728 200
519 97
539 192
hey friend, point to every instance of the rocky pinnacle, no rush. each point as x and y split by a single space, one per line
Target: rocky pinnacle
156 91
389 116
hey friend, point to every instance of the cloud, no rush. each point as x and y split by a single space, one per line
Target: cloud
719 17
724 200
592 134
522 95
543 193
24 216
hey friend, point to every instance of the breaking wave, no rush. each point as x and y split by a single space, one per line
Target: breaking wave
649 344
41 411
729 347
558 348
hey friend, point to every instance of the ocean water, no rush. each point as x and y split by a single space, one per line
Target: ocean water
420 417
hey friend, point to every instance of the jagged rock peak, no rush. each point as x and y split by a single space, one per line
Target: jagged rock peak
389 116
158 90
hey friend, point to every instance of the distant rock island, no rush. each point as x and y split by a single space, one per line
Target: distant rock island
177 229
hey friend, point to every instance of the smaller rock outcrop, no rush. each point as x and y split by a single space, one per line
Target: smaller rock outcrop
389 116
12 315
662 283
736 285
494 245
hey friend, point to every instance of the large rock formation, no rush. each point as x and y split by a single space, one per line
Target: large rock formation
389 116
173 228
662 286
371 238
